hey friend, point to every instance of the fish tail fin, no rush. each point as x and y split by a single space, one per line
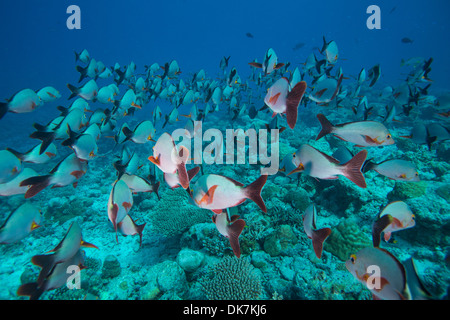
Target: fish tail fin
4 106
37 184
352 169
72 137
139 230
72 89
155 188
318 238
293 100
253 192
46 262
31 290
181 169
378 227
367 166
256 64
128 133
77 56
193 172
47 138
234 231
327 126
19 155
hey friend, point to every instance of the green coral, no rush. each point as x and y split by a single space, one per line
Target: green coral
232 279
346 239
173 214
406 190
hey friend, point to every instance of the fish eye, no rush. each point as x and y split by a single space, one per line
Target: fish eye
353 258
389 136
416 174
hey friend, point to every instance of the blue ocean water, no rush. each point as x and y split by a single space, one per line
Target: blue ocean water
182 250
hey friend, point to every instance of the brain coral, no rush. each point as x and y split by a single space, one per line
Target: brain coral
346 238
232 279
174 214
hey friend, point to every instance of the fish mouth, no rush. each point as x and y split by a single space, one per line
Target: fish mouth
300 168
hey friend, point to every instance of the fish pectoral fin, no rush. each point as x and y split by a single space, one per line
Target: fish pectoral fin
156 161
273 99
126 205
209 196
88 244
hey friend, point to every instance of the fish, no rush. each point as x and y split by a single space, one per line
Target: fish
128 227
390 284
119 203
169 159
57 277
417 289
172 117
67 171
84 145
10 166
48 94
224 63
318 236
394 217
34 156
343 154
317 164
24 101
142 133
13 187
173 180
407 40
249 35
64 251
324 91
88 91
330 50
83 56
373 75
231 228
140 184
395 169
298 46
269 64
280 100
128 162
361 133
20 223
216 192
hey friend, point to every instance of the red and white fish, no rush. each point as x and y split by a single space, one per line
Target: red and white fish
395 169
20 223
317 164
173 181
139 184
270 62
65 250
361 133
128 227
282 100
231 228
170 159
68 171
216 192
13 187
394 217
318 236
24 101
119 203
389 283
57 278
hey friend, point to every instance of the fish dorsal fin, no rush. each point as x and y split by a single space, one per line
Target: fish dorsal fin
237 183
